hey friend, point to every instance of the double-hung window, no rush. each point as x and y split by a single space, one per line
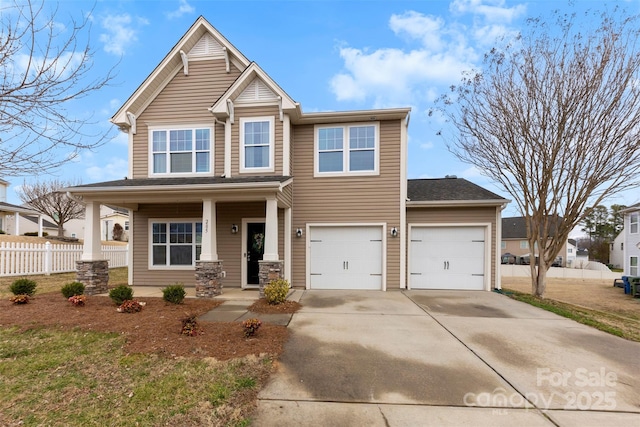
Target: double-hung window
347 149
175 243
181 150
633 223
633 266
257 144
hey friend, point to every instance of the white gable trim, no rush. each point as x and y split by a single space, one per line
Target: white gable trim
173 60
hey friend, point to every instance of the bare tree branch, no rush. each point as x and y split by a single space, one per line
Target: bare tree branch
555 120
46 198
43 67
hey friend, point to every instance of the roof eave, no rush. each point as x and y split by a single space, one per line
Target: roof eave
456 203
352 116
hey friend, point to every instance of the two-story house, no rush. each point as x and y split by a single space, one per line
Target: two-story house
229 179
515 243
631 246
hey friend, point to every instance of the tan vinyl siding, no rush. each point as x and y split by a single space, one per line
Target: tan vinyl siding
463 215
229 245
265 111
286 196
367 199
184 100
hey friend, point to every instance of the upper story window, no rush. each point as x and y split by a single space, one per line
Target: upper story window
352 149
181 150
257 135
633 223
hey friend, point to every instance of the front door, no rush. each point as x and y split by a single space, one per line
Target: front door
255 251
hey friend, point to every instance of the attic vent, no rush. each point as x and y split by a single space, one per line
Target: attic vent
256 91
207 46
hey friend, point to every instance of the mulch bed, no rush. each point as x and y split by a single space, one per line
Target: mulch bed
156 329
262 306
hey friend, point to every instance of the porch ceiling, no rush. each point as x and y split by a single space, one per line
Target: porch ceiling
129 193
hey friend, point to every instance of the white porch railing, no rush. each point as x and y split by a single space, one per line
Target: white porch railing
23 259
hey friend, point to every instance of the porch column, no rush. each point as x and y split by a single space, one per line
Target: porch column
39 225
271 231
209 238
209 272
92 270
17 224
92 250
270 268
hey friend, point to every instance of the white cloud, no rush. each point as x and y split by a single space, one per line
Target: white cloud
428 29
121 139
121 31
427 145
62 65
116 168
183 9
491 10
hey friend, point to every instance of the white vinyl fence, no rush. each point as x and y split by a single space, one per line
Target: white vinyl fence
22 259
511 270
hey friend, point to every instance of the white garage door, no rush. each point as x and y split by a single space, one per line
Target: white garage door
447 258
345 257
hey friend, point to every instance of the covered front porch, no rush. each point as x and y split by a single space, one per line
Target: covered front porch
201 232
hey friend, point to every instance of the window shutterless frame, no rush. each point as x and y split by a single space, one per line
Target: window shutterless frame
181 150
257 144
174 244
351 149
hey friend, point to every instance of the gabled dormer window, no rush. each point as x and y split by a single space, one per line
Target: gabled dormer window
257 136
181 150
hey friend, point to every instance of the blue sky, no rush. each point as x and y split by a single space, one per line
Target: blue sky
327 55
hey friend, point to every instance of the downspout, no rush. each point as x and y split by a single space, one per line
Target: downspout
499 246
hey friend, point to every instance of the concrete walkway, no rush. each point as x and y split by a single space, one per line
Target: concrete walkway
447 358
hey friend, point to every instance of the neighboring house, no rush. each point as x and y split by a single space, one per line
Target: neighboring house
109 217
582 258
616 251
631 232
514 240
29 224
229 179
572 252
9 213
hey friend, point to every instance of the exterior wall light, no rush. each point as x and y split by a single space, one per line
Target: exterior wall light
234 229
394 232
299 232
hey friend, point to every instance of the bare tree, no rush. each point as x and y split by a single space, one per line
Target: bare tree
46 198
554 117
44 66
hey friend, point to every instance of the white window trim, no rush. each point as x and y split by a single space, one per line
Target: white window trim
637 266
212 144
636 223
151 221
345 150
524 244
272 143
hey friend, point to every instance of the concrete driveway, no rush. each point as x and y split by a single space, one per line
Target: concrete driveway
447 358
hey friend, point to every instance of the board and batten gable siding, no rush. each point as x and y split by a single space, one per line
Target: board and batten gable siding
185 100
246 112
462 215
229 245
346 199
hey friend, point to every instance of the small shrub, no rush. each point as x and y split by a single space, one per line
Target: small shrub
251 327
71 289
275 292
20 299
174 293
23 287
120 294
190 326
35 234
78 300
130 306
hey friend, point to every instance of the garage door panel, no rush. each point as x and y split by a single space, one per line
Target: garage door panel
345 257
447 258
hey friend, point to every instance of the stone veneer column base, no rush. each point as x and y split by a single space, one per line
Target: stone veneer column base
269 270
94 275
208 279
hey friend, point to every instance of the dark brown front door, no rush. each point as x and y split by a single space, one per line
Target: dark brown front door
255 251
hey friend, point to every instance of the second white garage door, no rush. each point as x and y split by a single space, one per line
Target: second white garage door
447 258
345 257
